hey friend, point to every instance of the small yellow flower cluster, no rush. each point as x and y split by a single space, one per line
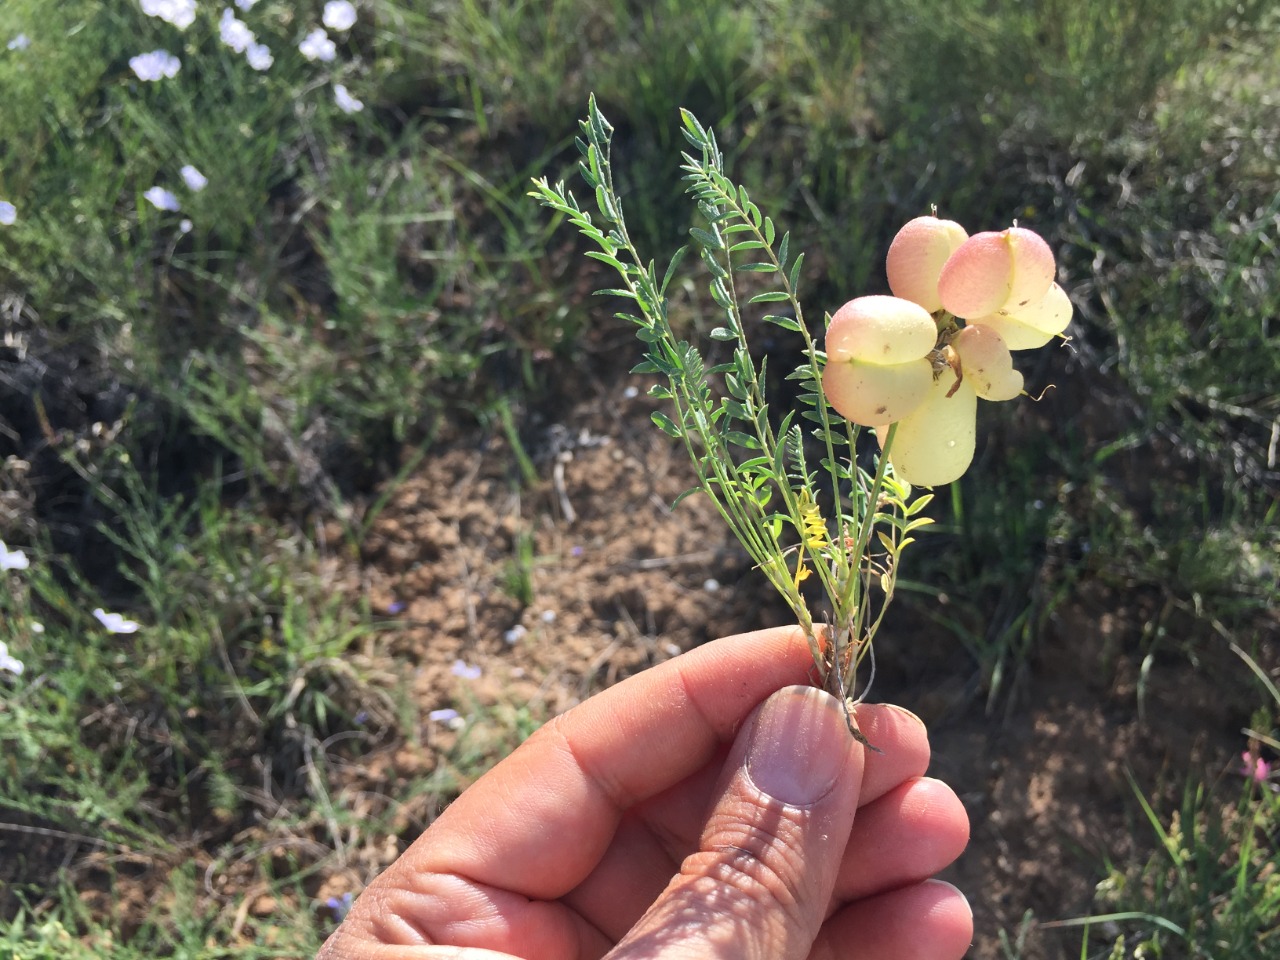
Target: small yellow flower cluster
906 359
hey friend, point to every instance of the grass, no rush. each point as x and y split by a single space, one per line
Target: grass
182 409
1210 889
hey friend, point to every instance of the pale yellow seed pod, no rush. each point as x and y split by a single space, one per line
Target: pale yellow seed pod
916 257
935 444
1035 325
986 363
869 394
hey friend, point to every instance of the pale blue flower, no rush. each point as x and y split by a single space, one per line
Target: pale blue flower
340 906
20 42
193 178
317 46
154 65
12 559
259 56
345 101
245 4
163 199
8 663
185 225
447 715
465 670
180 13
8 212
114 622
235 33
339 15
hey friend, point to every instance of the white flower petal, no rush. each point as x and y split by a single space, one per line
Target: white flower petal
193 178
235 33
12 559
259 56
317 46
11 664
154 65
163 199
114 622
339 15
180 13
345 101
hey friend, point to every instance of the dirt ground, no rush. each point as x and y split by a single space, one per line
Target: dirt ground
618 581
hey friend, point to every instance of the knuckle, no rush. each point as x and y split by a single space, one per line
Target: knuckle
762 869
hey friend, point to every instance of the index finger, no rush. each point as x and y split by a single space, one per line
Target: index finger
542 818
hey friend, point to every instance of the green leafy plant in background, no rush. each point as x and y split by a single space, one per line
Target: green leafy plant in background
885 366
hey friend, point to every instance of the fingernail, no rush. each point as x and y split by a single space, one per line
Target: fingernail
878 720
905 712
799 745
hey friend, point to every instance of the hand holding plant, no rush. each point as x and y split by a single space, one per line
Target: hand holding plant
674 815
904 366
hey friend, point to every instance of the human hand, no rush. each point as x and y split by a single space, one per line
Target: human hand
668 817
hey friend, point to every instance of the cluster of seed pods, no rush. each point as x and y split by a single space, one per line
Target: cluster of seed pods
908 359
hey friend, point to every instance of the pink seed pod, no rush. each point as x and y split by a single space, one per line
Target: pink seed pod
1034 325
916 257
996 272
880 330
876 370
935 444
986 363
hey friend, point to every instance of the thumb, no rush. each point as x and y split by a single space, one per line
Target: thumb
760 884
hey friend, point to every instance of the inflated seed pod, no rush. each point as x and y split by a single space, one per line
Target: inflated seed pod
995 272
870 394
880 330
916 257
1034 325
986 363
877 369
935 444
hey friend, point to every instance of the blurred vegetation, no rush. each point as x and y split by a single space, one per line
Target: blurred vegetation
185 397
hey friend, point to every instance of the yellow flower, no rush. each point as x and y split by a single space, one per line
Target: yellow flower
814 527
802 572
